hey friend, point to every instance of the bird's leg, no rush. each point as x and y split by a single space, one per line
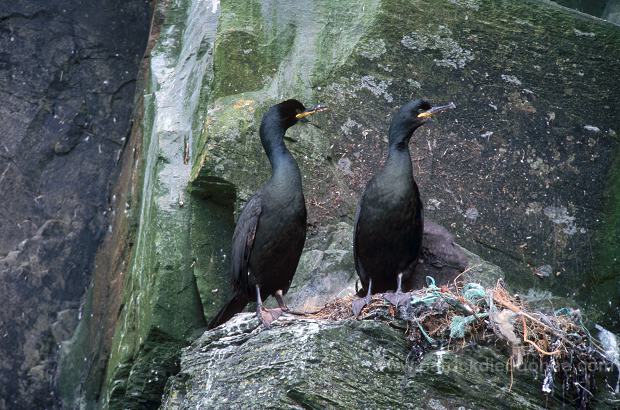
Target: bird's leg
399 297
280 300
358 304
265 316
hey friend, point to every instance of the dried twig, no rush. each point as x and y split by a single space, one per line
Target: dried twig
526 340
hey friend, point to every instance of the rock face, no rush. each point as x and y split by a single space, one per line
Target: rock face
304 364
67 81
311 363
372 363
317 364
510 171
522 172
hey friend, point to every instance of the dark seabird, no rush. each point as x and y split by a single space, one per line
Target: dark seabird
389 223
271 230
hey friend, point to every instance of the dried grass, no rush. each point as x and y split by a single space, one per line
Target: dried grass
560 342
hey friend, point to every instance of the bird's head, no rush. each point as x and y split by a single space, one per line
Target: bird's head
279 118
410 117
290 112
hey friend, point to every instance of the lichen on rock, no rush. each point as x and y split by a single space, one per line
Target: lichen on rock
452 55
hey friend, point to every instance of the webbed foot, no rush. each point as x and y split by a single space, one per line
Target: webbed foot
267 316
397 299
358 304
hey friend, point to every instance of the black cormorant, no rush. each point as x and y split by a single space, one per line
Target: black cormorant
389 221
271 230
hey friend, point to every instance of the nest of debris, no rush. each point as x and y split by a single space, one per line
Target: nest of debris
458 315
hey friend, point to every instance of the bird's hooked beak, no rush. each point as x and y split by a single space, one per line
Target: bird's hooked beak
303 116
436 110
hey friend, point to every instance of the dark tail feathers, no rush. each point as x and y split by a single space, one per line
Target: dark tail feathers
231 308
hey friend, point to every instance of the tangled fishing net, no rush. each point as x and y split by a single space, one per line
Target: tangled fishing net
458 315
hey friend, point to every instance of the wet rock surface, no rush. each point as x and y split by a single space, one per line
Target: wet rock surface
67 80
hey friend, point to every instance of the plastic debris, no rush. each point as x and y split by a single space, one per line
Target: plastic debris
436 317
474 293
459 323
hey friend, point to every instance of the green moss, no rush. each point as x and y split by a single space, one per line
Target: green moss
142 381
282 51
161 296
610 232
604 293
237 72
162 305
211 227
247 51
73 365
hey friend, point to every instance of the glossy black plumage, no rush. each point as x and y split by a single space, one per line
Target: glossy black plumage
389 223
271 230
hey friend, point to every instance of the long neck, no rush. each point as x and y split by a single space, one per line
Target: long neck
400 133
284 168
399 136
399 158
